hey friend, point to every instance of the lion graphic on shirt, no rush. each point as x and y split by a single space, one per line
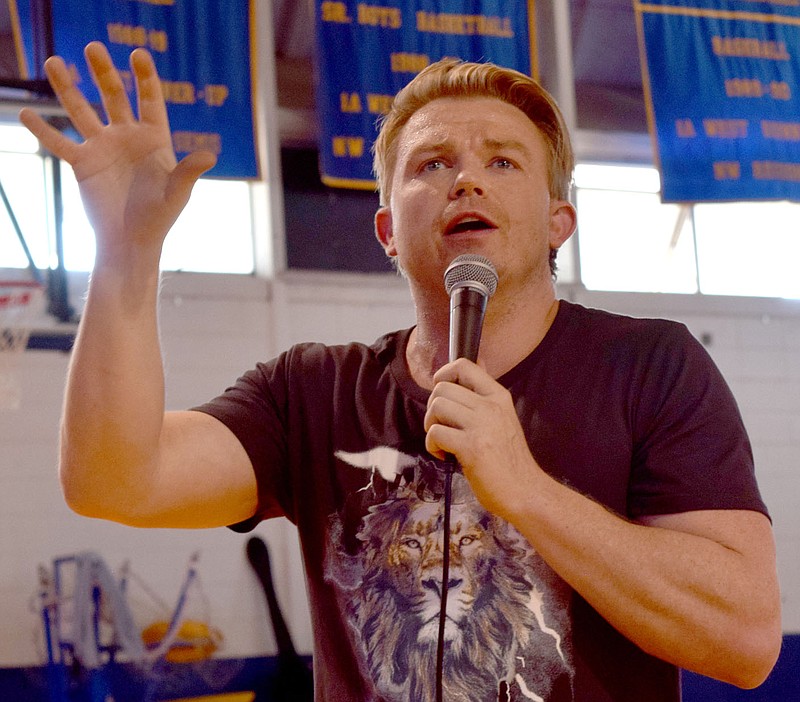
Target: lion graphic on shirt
504 635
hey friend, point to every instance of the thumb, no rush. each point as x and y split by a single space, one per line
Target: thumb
186 173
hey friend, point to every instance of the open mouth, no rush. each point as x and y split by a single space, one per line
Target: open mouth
469 223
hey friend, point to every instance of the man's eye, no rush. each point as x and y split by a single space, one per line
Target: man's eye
435 164
503 163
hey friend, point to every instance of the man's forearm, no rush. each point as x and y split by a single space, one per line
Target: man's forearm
114 403
698 591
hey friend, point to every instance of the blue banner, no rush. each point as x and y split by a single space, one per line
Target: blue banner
367 52
722 85
202 49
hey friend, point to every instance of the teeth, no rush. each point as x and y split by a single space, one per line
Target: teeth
470 224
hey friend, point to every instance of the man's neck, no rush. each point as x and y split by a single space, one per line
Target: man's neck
511 331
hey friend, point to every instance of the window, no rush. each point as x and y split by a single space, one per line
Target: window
630 241
213 234
750 248
22 176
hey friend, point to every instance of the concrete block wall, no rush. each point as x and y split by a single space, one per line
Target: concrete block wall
214 327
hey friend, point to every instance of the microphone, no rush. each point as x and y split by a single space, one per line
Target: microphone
470 280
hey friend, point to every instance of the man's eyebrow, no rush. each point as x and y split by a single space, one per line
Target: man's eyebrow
435 145
431 145
508 145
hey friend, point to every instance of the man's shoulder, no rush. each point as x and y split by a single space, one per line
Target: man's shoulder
384 348
609 324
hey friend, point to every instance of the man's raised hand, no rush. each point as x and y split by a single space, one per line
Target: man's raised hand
131 185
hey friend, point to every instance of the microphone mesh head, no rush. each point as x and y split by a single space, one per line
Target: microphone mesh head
471 270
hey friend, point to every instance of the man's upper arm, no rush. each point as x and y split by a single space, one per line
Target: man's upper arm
204 477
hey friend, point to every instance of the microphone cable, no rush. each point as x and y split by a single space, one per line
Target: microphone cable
448 500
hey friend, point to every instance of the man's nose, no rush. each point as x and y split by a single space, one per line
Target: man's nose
466 184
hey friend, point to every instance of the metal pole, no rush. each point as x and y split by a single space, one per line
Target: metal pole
58 295
37 276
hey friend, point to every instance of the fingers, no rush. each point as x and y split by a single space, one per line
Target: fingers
448 407
455 404
466 374
109 82
111 87
50 138
432 446
150 95
80 112
84 117
458 387
467 411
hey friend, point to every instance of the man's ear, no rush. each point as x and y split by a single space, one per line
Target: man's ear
384 231
563 222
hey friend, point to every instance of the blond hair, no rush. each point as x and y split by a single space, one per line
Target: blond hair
454 78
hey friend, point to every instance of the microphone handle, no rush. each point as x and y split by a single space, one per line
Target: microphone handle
467 307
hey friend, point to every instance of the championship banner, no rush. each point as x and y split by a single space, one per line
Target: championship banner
722 87
366 52
201 48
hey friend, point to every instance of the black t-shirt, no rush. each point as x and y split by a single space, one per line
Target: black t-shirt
630 412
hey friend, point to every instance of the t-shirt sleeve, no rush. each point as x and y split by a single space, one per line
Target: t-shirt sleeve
254 410
691 450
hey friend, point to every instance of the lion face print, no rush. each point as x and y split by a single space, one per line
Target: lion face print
415 555
506 634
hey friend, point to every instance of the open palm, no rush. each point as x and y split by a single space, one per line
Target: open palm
131 185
